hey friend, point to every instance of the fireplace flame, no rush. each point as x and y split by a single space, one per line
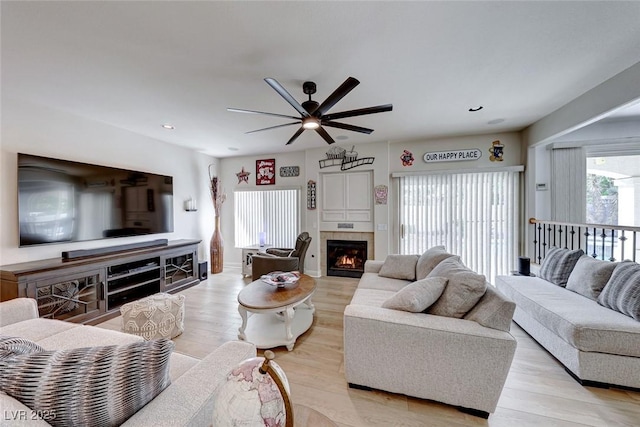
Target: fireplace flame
346 261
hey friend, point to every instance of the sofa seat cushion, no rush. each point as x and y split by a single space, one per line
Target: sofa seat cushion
579 321
179 364
373 281
87 336
37 329
371 297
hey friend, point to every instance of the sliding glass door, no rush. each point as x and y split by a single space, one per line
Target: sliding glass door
474 215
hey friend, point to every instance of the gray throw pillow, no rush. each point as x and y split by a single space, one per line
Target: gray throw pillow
494 310
589 276
416 297
464 289
14 346
93 386
622 291
429 259
558 264
399 267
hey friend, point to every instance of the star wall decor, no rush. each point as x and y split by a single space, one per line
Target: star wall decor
243 176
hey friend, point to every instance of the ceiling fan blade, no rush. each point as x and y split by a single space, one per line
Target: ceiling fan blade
295 135
273 127
287 96
323 133
359 112
336 96
238 110
347 127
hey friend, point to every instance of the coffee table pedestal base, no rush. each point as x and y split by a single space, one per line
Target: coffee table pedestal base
268 330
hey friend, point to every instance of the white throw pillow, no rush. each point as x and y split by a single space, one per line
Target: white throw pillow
399 267
416 297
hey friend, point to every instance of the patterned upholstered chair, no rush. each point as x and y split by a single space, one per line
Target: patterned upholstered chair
281 259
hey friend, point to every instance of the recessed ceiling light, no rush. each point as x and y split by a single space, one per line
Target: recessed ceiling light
495 121
232 148
168 126
474 109
342 137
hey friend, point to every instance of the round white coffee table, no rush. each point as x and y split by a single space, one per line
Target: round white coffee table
278 315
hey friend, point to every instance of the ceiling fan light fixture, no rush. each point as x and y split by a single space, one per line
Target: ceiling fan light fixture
311 123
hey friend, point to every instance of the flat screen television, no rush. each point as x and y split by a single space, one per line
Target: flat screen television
66 201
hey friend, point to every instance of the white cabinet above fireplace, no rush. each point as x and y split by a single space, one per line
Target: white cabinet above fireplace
347 201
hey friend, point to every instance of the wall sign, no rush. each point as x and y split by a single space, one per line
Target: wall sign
287 171
266 172
452 156
311 194
345 159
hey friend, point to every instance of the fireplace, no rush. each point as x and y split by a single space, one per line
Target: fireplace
346 258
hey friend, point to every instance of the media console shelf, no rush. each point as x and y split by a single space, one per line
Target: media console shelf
91 290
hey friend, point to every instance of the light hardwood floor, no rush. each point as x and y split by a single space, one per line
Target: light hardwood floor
538 391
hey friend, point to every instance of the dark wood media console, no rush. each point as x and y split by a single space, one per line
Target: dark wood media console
91 290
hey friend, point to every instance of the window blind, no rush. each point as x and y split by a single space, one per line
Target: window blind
273 212
474 215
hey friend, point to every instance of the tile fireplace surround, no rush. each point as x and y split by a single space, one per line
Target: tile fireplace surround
343 235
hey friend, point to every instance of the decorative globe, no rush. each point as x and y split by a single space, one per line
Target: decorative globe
251 396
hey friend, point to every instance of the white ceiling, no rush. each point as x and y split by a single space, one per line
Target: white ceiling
137 65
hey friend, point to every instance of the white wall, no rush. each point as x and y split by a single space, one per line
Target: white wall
227 170
571 123
33 129
387 161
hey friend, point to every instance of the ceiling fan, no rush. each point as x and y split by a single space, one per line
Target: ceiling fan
313 115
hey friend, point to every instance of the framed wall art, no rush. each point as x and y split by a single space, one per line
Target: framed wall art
266 172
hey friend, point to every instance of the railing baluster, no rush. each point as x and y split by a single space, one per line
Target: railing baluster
613 244
539 244
603 245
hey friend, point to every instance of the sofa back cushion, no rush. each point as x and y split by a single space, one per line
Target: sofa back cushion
399 267
558 264
98 386
494 310
622 291
464 289
589 276
417 296
429 259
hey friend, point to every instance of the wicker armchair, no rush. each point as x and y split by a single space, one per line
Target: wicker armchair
281 259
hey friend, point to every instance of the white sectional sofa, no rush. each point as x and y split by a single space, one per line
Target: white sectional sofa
187 401
598 346
457 361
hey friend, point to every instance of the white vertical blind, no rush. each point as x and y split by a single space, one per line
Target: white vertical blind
569 189
474 215
273 212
